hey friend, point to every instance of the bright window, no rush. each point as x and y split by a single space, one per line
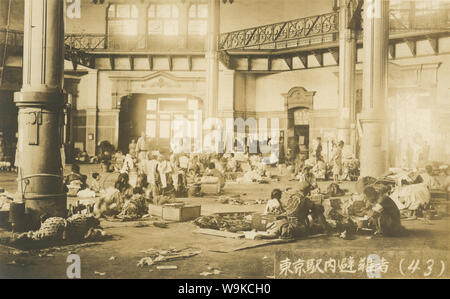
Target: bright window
163 19
198 19
123 19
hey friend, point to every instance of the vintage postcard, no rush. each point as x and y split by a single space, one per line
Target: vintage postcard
224 139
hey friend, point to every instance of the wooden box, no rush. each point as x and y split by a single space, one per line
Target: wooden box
155 210
210 188
183 213
260 221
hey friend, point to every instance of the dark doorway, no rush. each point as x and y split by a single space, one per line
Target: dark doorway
301 134
155 115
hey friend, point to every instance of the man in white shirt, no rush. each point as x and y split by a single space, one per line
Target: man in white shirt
142 147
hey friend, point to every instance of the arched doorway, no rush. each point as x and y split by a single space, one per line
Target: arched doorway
156 115
299 104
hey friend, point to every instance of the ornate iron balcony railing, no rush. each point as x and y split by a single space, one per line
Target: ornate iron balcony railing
304 31
87 42
325 28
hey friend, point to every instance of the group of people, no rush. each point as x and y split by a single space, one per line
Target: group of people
299 216
314 168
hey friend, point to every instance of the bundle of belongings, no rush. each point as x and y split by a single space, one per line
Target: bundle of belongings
5 200
411 190
230 223
76 228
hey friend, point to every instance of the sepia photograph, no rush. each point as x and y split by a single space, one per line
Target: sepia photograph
224 146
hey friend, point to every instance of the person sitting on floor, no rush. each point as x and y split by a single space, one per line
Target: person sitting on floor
308 177
93 182
320 170
112 203
428 179
75 175
212 171
295 221
384 214
128 164
413 198
273 206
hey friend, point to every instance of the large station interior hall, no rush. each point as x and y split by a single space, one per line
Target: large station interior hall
221 138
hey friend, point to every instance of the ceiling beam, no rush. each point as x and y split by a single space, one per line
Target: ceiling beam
288 61
412 45
111 62
304 60
434 43
189 59
335 54
131 58
392 51
170 62
319 57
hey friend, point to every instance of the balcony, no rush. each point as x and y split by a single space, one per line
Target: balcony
295 33
324 30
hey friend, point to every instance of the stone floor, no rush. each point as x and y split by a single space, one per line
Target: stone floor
427 245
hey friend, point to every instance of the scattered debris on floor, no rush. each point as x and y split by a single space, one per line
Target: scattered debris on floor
159 256
219 233
211 271
231 222
169 267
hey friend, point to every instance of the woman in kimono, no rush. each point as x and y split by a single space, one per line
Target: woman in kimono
337 161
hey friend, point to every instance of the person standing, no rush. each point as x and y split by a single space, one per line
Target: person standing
132 148
337 160
318 149
142 147
149 168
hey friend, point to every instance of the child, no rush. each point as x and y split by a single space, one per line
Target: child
273 206
308 177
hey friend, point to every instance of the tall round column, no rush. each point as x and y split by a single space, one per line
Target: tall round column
347 68
372 118
212 60
40 103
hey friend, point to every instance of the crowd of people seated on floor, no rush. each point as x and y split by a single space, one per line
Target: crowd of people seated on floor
300 216
150 176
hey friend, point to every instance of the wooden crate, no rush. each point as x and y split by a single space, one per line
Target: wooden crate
210 188
155 210
260 221
184 213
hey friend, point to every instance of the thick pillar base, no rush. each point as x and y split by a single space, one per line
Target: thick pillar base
373 152
346 133
51 207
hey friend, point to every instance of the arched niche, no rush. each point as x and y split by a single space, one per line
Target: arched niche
298 97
